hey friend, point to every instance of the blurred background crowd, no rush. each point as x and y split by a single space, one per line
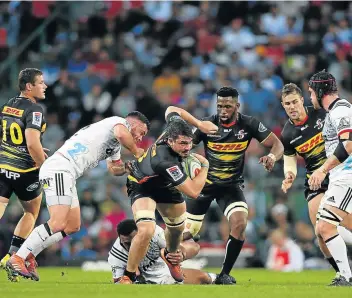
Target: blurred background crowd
107 58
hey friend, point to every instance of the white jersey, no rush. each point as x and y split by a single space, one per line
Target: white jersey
338 121
93 143
152 267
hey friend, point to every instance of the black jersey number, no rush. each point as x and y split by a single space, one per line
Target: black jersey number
15 132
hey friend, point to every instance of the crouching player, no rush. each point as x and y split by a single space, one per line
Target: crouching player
153 269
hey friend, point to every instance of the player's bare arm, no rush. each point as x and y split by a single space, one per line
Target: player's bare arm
290 172
34 146
341 153
116 167
192 188
276 152
126 139
204 126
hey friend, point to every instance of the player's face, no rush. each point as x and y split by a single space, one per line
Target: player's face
39 87
313 98
182 145
138 130
293 105
227 109
127 240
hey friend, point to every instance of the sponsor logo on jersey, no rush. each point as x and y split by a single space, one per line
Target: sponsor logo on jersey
175 173
310 144
37 119
12 111
9 174
295 139
344 123
261 127
240 135
319 124
228 147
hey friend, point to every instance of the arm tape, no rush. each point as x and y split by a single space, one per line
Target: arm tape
340 152
290 164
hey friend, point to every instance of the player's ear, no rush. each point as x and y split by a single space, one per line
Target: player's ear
29 86
302 99
238 105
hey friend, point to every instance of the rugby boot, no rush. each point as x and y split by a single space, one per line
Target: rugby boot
17 266
32 267
3 266
175 270
340 281
224 279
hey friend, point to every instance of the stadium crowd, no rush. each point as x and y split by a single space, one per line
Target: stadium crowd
110 58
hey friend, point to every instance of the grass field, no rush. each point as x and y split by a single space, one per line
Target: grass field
72 282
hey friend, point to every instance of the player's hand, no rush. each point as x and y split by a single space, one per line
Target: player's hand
175 257
207 127
139 152
287 183
268 162
201 159
45 154
317 178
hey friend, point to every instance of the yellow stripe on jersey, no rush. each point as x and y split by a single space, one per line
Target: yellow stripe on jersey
12 111
131 178
228 147
9 155
222 175
310 144
316 151
228 157
14 169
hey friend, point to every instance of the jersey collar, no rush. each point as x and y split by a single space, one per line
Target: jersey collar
333 103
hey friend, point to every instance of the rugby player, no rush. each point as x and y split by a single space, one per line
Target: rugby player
153 269
58 175
336 203
21 155
156 181
225 151
302 135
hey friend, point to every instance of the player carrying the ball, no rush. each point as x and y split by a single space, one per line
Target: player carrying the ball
225 151
156 181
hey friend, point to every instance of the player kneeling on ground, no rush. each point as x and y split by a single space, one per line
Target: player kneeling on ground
153 269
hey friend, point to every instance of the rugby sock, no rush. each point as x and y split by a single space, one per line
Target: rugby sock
333 264
34 240
338 250
345 234
131 275
48 242
233 248
16 243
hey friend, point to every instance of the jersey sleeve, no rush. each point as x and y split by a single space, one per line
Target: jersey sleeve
341 117
172 172
289 150
34 117
160 237
259 130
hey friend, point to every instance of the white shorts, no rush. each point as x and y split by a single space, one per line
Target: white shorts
339 196
59 184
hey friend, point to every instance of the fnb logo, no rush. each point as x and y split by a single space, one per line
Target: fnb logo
228 147
12 111
310 144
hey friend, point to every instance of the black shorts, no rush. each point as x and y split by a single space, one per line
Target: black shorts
224 196
25 185
310 194
136 191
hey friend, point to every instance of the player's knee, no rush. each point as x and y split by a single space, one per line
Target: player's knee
146 231
193 224
238 225
328 221
176 224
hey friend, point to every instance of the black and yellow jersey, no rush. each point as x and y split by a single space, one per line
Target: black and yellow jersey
306 140
225 150
18 114
160 166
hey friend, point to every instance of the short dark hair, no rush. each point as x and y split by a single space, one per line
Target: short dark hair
227 92
178 128
290 88
139 116
126 227
27 75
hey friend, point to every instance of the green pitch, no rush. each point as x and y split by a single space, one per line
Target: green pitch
74 283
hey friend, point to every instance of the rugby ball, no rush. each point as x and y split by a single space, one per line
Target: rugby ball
191 166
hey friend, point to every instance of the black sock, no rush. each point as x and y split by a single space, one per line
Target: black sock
131 275
16 243
333 264
233 248
63 234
